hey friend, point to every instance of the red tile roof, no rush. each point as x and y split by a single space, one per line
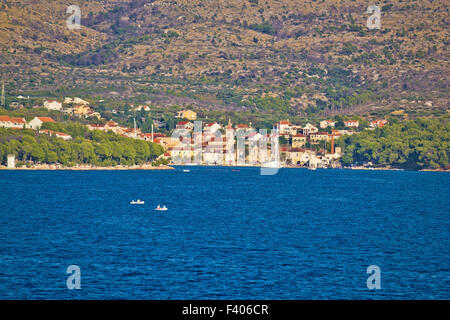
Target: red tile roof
46 119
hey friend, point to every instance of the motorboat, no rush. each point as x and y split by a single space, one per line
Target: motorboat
186 170
138 201
159 208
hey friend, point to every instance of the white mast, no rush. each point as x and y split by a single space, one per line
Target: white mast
152 132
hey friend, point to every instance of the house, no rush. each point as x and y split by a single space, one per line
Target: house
7 122
212 127
16 105
92 113
284 127
298 140
37 122
187 114
68 100
296 129
377 123
185 125
351 123
81 110
53 105
309 128
214 150
139 108
345 132
327 123
153 136
80 101
242 127
168 143
61 135
296 155
319 136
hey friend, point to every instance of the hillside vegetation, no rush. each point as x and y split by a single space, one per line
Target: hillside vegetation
413 145
87 147
295 58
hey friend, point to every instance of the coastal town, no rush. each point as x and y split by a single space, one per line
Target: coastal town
191 141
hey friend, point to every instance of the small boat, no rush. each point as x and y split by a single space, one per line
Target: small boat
186 170
312 168
159 208
138 201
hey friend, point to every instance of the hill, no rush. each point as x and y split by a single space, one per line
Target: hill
292 58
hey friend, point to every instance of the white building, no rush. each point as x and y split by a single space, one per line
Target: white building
37 122
351 123
212 127
7 122
284 127
185 125
327 123
11 161
61 135
309 128
53 105
139 108
80 101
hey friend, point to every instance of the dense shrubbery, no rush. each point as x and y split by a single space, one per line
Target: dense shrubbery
265 27
423 143
87 147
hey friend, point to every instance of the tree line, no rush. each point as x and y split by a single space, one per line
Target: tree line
417 144
86 147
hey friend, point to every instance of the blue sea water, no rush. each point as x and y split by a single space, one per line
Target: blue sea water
228 234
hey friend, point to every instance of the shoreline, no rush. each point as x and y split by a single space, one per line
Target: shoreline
172 167
304 167
89 168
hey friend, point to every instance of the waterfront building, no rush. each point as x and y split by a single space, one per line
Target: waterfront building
11 163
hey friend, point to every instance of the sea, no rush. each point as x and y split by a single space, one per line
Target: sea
228 233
